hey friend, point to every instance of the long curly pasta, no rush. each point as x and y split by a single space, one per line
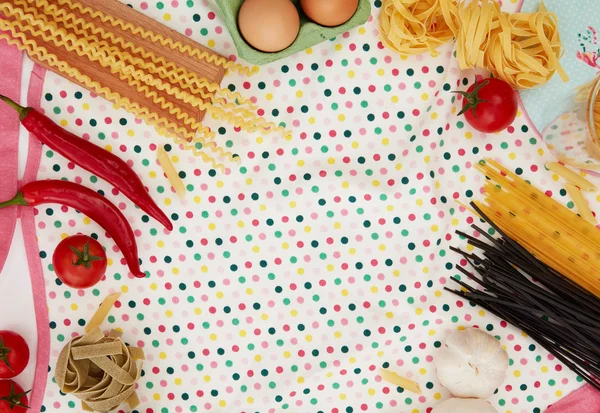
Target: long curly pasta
522 48
156 37
142 81
164 67
38 21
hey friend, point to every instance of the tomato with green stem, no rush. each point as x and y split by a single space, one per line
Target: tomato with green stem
12 397
14 354
489 105
79 261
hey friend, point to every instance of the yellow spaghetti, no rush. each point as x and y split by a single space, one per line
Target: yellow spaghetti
555 235
30 24
523 49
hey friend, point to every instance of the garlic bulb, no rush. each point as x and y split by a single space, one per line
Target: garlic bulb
471 363
464 406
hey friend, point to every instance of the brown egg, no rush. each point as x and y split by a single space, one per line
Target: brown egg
269 25
329 12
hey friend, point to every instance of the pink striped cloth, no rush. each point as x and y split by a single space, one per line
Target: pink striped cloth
584 400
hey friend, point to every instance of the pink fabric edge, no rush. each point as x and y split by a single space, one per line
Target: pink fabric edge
36 272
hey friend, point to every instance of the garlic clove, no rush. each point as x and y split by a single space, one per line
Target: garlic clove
471 364
464 406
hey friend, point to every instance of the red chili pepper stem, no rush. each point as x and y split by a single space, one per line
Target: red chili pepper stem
23 111
19 199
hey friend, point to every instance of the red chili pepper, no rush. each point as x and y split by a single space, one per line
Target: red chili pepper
92 204
90 157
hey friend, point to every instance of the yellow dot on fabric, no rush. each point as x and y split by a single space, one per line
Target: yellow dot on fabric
307 229
329 375
222 403
294 313
300 380
431 333
424 96
517 373
544 369
130 133
338 47
85 106
389 314
249 291
435 228
331 161
419 202
286 354
422 371
242 333
250 400
196 199
311 120
167 17
213 337
219 294
169 313
269 96
355 145
460 328
419 311
434 115
337 225
345 185
259 140
300 163
153 286
371 392
263 207
437 396
555 177
255 249
469 247
156 396
162 355
206 378
300 271
308 338
212 226
108 148
396 273
385 141
481 313
124 289
437 293
374 289
204 269
211 43
351 74
512 156
463 178
177 382
167 201
540 152
344 292
352 251
426 269
455 221
343 396
330 267
398 166
299 94
264 316
381 247
558 393
86 221
64 123
337 334
197 311
257 358
376 183
341 117
109 262
380 72
285 245
74 307
362 30
389 208
240 224
395 99
309 50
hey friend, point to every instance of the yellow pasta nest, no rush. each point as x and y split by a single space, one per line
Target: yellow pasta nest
30 24
523 49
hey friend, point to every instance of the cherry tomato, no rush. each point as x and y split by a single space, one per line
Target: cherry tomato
12 397
490 105
79 261
14 354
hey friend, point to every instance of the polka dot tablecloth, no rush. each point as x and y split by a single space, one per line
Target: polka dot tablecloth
293 277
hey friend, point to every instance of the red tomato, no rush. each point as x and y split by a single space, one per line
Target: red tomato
14 354
79 261
490 105
12 397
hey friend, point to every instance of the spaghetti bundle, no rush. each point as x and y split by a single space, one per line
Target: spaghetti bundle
556 236
523 49
50 31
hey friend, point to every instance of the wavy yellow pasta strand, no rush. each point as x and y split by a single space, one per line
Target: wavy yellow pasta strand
157 38
176 74
142 81
164 127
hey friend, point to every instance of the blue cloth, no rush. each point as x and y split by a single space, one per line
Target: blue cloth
578 22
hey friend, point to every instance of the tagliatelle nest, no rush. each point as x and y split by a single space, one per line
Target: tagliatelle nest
100 370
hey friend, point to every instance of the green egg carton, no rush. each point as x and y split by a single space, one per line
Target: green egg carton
310 33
